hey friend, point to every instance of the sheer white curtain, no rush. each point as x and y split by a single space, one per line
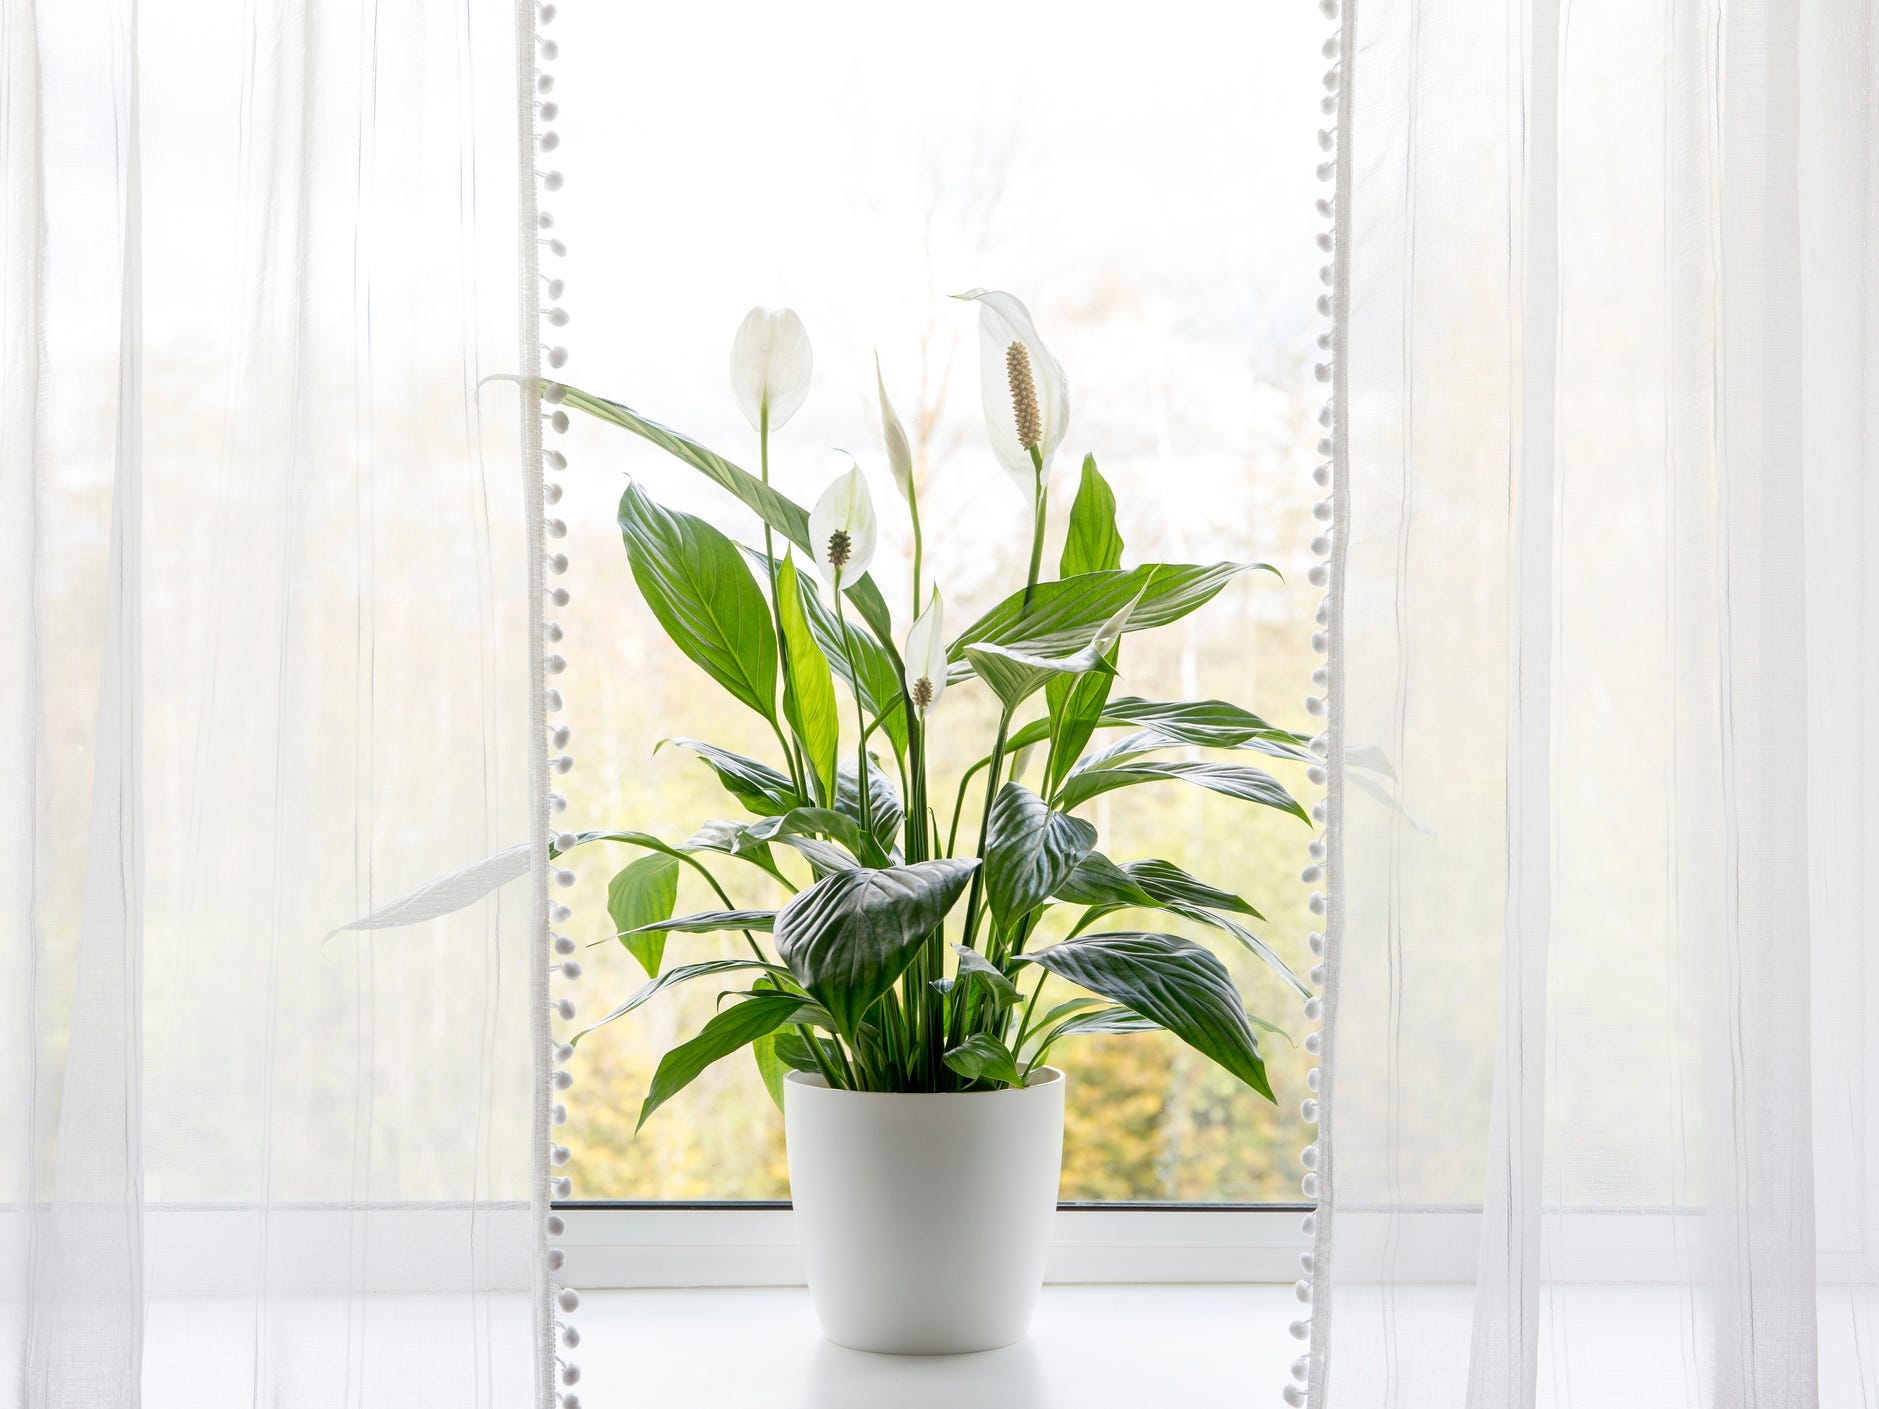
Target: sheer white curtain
270 607
1601 1075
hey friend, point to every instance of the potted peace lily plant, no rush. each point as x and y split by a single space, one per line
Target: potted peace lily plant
893 999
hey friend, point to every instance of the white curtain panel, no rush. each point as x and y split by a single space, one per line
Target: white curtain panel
270 617
1600 1117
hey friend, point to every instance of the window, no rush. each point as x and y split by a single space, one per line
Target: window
1148 190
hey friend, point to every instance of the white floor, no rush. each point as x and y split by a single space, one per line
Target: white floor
1090 1348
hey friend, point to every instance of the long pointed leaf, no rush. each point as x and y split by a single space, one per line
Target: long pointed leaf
1171 981
1234 780
697 585
781 513
723 1035
684 973
448 893
808 688
1029 851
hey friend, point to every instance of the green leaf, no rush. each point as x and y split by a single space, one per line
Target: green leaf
742 1023
1092 543
1144 741
757 785
982 1057
770 1068
710 922
1171 981
974 967
885 811
1062 614
808 687
1170 885
1212 724
733 839
1103 1022
1015 675
684 973
1252 942
795 1053
1099 881
697 585
1029 851
1232 779
870 669
639 896
819 822
851 935
781 513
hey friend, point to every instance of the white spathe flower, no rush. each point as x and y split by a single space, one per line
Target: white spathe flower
1003 321
926 657
894 437
770 362
841 528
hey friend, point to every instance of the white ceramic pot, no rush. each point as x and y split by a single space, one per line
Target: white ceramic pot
924 1219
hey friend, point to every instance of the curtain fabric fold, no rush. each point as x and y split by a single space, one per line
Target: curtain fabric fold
269 656
1600 1066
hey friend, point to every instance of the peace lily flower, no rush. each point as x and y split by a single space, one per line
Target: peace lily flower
770 364
894 437
926 657
1027 398
841 529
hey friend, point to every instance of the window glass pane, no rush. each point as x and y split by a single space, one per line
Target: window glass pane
1147 188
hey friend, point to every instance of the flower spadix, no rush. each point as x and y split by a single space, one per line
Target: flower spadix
894 437
1027 397
842 530
926 656
770 364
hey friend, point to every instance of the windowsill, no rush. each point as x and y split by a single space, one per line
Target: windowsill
1090 1347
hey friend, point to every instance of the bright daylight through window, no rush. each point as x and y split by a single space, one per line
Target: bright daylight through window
1148 190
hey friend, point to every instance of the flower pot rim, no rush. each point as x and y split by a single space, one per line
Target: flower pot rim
1041 1079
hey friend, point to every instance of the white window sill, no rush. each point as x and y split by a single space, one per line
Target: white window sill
1090 1347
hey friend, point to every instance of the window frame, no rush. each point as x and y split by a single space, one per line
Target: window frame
622 1244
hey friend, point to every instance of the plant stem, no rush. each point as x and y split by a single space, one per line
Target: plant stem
1024 1024
790 755
862 788
1039 500
985 824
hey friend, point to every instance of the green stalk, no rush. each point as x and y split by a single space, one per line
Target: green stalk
861 714
1004 721
797 778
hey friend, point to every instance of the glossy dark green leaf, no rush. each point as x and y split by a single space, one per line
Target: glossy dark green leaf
1029 851
1171 981
757 785
1105 1022
1231 779
683 973
1169 884
808 686
697 585
742 1023
1201 723
780 512
850 936
1252 942
838 827
1097 880
885 810
641 895
974 967
793 1051
982 1057
734 839
1062 614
